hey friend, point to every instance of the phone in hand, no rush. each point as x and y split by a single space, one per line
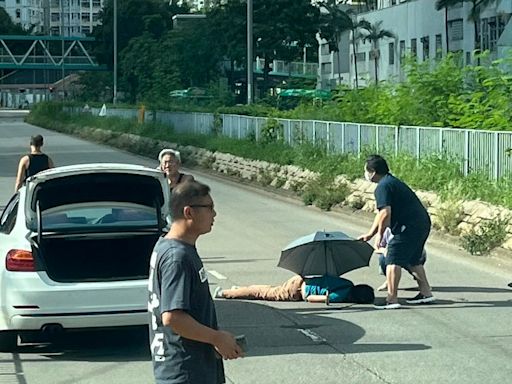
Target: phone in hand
242 342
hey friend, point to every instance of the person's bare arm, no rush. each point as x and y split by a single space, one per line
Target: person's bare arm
316 299
50 163
380 223
22 169
186 326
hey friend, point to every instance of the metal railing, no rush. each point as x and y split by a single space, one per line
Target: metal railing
487 152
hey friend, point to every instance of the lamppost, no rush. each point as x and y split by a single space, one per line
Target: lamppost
249 53
114 99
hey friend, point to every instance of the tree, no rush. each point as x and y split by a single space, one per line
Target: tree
333 22
474 14
134 18
227 27
277 24
373 33
7 27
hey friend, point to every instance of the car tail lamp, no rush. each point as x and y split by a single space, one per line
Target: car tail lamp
19 260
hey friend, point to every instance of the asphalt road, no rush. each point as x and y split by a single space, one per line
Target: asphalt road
466 337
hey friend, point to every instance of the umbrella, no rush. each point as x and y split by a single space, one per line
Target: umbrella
325 253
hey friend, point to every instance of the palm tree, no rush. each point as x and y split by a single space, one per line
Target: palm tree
354 27
373 33
474 14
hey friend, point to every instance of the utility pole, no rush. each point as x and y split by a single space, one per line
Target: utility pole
62 46
249 53
114 100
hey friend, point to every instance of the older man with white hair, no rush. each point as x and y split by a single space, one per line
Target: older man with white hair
170 163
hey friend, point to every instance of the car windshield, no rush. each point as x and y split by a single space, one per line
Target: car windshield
97 215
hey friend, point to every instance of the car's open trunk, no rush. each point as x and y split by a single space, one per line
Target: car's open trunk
104 257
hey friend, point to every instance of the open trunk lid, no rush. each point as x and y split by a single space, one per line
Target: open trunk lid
94 184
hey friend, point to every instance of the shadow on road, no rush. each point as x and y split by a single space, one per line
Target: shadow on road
110 345
277 331
472 289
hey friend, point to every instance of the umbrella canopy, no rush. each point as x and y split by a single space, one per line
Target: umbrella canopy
325 253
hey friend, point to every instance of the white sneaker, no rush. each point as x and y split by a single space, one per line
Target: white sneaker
421 299
387 305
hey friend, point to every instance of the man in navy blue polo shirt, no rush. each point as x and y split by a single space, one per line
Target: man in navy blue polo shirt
399 209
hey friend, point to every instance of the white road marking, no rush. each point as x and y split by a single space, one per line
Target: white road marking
217 275
312 335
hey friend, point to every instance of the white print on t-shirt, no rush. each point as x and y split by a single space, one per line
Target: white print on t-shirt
153 304
157 347
202 275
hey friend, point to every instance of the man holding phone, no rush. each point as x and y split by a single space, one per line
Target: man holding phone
186 344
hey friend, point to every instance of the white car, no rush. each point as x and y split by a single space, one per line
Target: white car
77 242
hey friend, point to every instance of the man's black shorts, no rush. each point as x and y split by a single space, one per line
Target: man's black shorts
406 248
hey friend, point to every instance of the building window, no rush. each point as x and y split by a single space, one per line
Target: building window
326 68
86 30
456 30
493 33
325 49
95 16
439 46
54 31
402 51
55 4
86 17
414 48
391 53
361 56
425 41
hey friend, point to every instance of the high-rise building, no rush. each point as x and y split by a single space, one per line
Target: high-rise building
55 17
29 14
195 5
73 17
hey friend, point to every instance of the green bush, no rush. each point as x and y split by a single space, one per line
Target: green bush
489 235
449 216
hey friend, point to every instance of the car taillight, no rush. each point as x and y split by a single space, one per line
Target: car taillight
18 260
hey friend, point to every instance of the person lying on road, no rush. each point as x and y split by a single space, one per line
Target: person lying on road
321 289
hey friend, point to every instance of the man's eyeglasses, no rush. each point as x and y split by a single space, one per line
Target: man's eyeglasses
209 206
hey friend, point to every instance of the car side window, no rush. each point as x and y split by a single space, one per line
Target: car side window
8 218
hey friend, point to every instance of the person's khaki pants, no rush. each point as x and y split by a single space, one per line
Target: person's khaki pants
289 291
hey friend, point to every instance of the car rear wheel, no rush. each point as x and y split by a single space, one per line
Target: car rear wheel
8 341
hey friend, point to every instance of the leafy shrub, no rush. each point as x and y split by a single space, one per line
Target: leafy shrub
331 196
449 216
265 178
272 131
489 235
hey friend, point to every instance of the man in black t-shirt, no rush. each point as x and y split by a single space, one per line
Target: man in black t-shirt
186 345
400 209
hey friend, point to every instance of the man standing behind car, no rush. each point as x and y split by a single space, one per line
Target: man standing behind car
186 345
32 163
